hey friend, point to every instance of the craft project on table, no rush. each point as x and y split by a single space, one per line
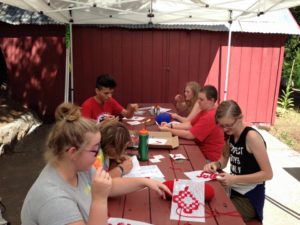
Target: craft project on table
121 221
188 201
201 175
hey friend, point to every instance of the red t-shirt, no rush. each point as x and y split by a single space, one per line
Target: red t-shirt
209 136
93 110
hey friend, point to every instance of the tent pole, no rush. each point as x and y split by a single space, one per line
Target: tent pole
227 63
71 66
66 97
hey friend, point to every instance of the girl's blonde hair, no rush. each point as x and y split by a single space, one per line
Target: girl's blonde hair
228 108
115 136
194 86
69 130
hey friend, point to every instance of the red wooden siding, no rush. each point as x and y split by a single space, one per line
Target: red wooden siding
149 65
255 73
154 65
35 57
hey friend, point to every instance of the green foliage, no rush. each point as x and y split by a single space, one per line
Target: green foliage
292 52
67 36
285 137
286 101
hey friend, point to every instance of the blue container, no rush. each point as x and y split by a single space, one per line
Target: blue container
163 117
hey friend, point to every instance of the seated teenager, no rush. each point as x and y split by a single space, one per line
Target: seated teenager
69 190
249 163
103 105
184 104
203 128
114 141
195 111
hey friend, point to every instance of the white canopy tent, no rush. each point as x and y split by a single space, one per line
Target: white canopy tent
162 12
150 11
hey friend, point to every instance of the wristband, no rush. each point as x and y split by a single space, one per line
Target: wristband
122 170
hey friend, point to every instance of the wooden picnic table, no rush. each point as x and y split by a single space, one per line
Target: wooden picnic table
148 206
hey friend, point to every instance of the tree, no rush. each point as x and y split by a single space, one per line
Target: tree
292 53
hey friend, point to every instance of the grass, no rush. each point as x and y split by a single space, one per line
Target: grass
287 128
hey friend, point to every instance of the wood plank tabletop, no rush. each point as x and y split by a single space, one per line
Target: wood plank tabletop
148 206
152 126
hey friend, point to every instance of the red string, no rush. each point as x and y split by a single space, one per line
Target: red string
208 214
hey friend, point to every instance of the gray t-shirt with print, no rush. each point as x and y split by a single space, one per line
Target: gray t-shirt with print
52 201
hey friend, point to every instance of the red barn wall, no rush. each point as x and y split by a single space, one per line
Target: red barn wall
149 65
154 65
35 57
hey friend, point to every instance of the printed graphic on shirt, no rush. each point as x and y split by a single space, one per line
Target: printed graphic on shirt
87 189
235 163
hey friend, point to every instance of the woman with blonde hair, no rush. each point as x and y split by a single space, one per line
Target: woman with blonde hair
249 163
69 190
185 105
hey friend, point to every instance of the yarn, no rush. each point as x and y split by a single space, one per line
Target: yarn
163 117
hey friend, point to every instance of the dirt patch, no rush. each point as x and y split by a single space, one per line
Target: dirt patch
287 128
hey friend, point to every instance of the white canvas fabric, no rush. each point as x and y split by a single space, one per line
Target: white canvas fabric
151 11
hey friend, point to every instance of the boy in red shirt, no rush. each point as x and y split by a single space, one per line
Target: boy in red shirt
103 105
203 128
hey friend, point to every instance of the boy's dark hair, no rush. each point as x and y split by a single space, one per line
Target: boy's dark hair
210 92
105 80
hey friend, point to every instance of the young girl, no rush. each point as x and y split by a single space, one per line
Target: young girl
69 190
185 104
115 139
249 163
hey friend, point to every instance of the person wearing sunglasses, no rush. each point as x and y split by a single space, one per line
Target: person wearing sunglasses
69 190
112 156
250 167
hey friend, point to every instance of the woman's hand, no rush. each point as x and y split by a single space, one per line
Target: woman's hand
179 98
133 107
101 184
157 186
210 167
174 115
127 165
164 126
226 179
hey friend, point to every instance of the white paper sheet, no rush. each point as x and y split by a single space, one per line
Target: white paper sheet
201 175
135 118
118 221
162 110
158 157
132 123
146 171
157 141
145 108
135 164
154 160
177 156
188 201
